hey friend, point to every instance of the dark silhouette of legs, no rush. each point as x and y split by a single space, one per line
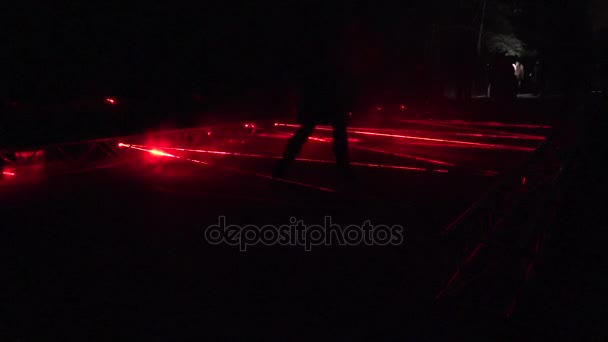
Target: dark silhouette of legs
340 145
294 146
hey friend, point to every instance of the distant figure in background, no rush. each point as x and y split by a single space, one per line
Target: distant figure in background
323 90
520 74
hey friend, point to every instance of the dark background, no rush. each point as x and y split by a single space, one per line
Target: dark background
197 57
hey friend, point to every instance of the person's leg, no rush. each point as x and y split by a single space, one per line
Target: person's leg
340 146
294 145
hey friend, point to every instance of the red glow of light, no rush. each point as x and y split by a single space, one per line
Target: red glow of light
208 132
110 100
161 153
443 142
261 175
350 113
152 151
379 108
9 173
511 136
433 161
320 139
121 145
402 107
397 167
209 152
523 180
457 142
246 125
287 136
495 124
493 133
276 124
497 147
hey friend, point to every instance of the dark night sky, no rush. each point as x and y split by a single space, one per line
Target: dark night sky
85 48
134 47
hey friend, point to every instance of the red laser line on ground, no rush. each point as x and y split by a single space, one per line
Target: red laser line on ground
432 161
495 124
495 134
261 175
411 137
508 148
287 136
156 151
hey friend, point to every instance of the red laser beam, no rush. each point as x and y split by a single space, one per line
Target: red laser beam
432 161
374 165
233 169
287 136
490 133
412 137
507 148
495 124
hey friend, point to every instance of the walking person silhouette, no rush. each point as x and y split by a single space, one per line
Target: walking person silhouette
324 92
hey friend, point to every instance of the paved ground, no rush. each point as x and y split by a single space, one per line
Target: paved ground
120 250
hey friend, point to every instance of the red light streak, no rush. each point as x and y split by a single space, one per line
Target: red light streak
495 124
233 169
504 147
9 173
110 100
396 167
456 143
160 153
512 136
494 134
432 161
287 136
211 152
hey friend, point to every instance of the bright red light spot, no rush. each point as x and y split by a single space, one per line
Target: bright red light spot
9 173
160 153
121 145
403 107
246 125
276 124
110 100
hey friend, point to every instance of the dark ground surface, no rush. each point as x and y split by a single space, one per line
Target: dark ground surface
120 251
